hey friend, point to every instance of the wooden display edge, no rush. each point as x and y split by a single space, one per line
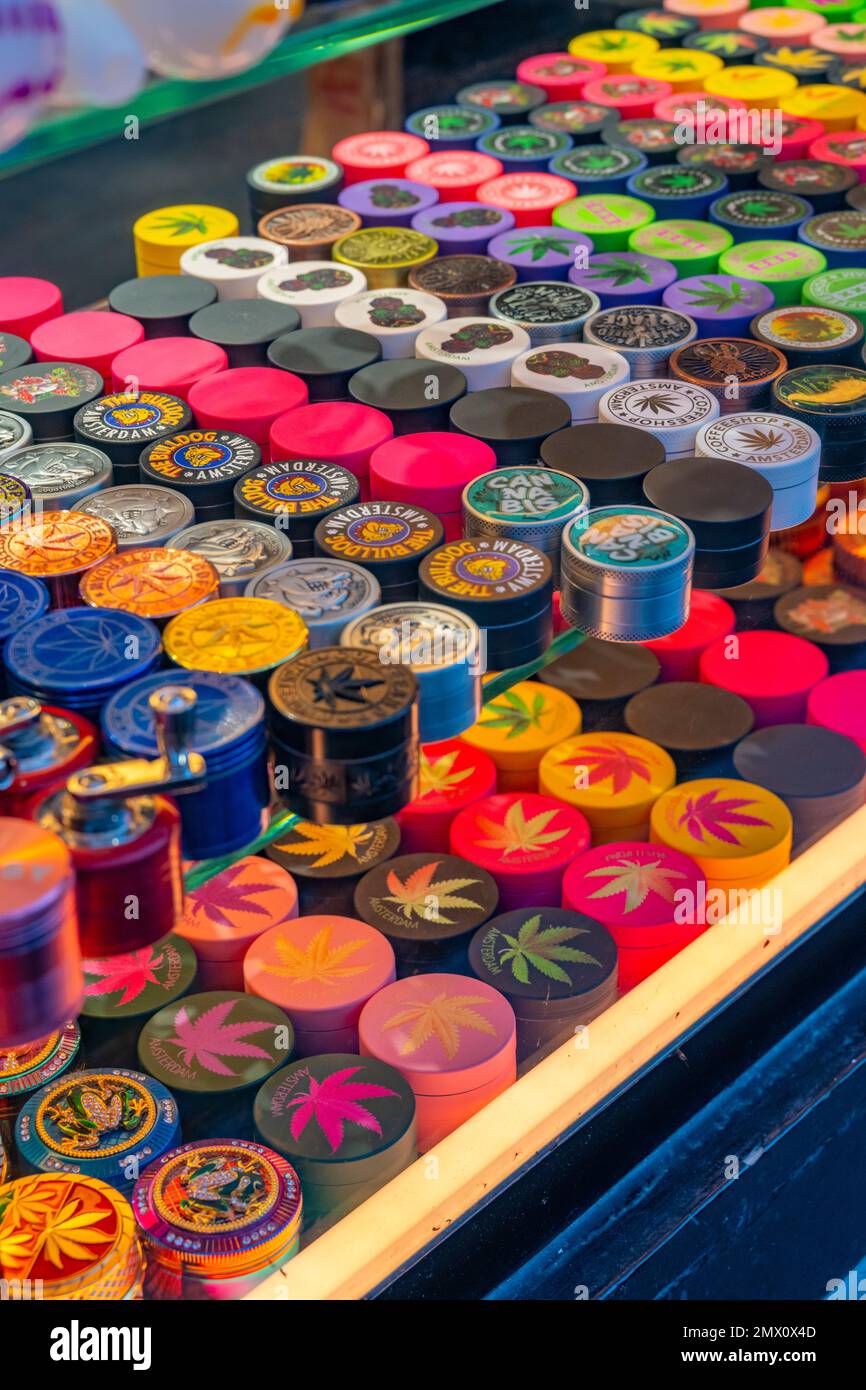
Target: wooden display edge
417 1208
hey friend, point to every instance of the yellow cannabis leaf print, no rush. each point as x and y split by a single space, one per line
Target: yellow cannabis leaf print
441 1018
320 963
517 833
330 842
438 776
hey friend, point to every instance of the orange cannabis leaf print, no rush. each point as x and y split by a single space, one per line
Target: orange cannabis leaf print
441 1018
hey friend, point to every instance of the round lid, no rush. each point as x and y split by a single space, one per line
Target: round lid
614 776
539 249
326 593
462 276
428 897
671 182
120 419
774 444
385 248
523 722
711 362
389 538
342 689
232 258
172 228
308 225
451 775
55 543
250 398
150 298
201 464
431 467
172 364
775 262
545 954
718 819
293 174
523 144
640 328
302 490
584 369
527 192
21 600
98 1258
26 1069
598 670
83 648
603 452
505 97
140 514
658 23
571 117
454 222
801 761
688 716
137 983
509 413
828 396
731 45
838 289
843 231
647 134
48 392
215 1042
324 852
709 617
154 582
607 163
322 352
320 970
831 615
761 208
625 272
403 384
26 300
524 496
239 636
307 284
681 240
488 578
738 161
89 336
14 351
554 71
242 322
227 710
674 410
782 571
335 1110
803 328
725 504
389 313
803 60
445 1033
59 473
604 213
810 178
633 91
379 149
458 124
430 639
847 39
238 549
634 889
175 1209
476 340
551 303
838 703
224 916
614 47
103 1124
519 834
768 664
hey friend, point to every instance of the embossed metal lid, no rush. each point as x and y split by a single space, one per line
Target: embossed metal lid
140 515
462 280
15 433
549 310
342 690
48 395
228 710
162 303
78 653
327 593
712 362
235 636
294 494
641 332
28 1068
61 474
21 600
239 550
216 1042
153 582
384 248
308 226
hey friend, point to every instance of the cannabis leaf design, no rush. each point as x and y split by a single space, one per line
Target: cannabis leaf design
609 762
441 1018
181 225
209 1038
320 963
333 1103
655 405
758 440
224 895
413 894
129 973
60 1232
517 833
637 879
708 295
710 815
86 648
330 843
725 44
541 948
619 272
515 715
332 687
803 58
437 776
540 246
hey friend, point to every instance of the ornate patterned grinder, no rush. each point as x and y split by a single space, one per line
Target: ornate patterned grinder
24 1070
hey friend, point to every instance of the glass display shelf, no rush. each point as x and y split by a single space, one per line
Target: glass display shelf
323 32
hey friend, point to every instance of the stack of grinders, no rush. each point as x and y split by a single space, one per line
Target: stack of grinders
772 671
286 181
442 647
430 469
48 395
416 398
644 334
326 862
452 776
100 1260
52 477
672 410
216 1218
739 372
122 426
213 1051
121 992
320 971
484 349
550 311
601 677
224 916
394 318
235 637
833 616
612 779
162 304
248 399
611 460
626 573
390 539
679 654
345 1123
465 284
518 728
24 1070
326 594
647 896
819 774
505 586
234 265
294 495
451 1037
202 465
338 432
79 657
727 508
838 703
525 841
513 421
784 451
524 504
753 603
832 399
428 905
73 1124
557 969
344 731
153 582
162 236
738 833
698 725
580 375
